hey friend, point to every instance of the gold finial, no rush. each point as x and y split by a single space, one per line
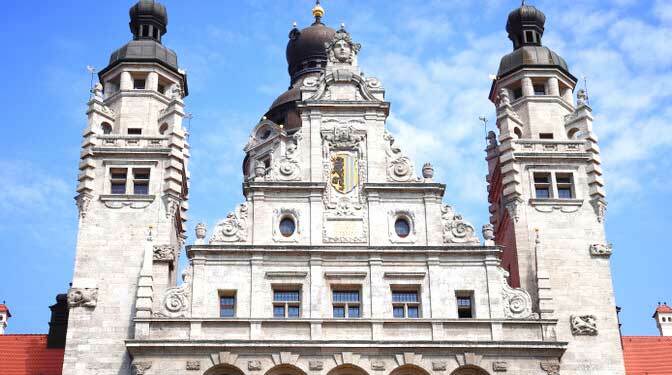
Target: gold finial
318 11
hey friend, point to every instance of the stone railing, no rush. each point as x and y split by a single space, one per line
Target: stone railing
347 330
107 140
549 145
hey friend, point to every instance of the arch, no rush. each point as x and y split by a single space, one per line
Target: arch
573 133
106 128
518 132
409 369
224 369
163 128
285 369
347 369
469 370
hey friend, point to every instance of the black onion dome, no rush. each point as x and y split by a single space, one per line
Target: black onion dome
526 19
148 12
530 56
305 50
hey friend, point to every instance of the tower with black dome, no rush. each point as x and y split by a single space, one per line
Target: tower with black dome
547 198
132 196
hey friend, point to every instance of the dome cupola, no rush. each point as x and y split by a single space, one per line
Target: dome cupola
149 20
306 52
525 26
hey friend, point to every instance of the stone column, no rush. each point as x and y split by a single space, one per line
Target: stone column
152 81
567 95
126 81
528 89
553 88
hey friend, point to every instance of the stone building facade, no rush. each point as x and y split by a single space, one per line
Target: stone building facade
342 259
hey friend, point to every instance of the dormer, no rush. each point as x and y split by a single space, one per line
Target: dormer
663 317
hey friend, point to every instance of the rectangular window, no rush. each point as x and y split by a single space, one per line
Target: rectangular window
227 305
139 84
529 36
286 303
141 181
346 303
564 185
134 131
405 304
545 135
542 185
465 308
539 90
517 92
118 180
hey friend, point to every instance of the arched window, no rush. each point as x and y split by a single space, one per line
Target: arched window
573 133
518 133
224 370
409 370
163 128
285 370
469 370
347 369
107 128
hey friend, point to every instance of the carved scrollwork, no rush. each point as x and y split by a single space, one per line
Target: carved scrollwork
400 169
83 202
583 325
455 229
516 301
342 137
165 253
85 297
176 301
233 228
601 249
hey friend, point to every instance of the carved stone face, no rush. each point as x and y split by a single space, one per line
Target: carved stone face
342 50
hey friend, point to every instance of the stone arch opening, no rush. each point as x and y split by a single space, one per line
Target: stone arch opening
469 370
224 370
347 369
409 370
285 369
518 132
573 133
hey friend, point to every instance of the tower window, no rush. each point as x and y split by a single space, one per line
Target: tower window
286 303
405 304
141 181
227 304
539 90
517 93
564 185
530 36
107 128
139 84
118 180
465 308
542 185
346 303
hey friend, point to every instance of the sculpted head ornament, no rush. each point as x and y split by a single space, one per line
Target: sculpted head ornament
342 49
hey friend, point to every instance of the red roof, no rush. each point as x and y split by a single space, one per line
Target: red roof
28 355
647 355
664 309
4 308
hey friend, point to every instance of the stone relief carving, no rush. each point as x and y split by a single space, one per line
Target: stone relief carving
583 325
428 172
601 249
85 297
377 365
193 365
455 229
500 366
316 365
254 365
512 207
517 302
488 231
83 202
201 230
439 366
600 209
135 204
140 368
172 206
287 167
177 300
551 368
341 49
342 136
165 253
233 228
399 167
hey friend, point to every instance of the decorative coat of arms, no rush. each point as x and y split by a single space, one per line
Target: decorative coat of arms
344 172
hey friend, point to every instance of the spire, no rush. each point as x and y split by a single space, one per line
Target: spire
318 12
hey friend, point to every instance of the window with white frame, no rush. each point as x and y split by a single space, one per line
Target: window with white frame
558 185
227 304
121 184
346 303
118 180
286 302
405 303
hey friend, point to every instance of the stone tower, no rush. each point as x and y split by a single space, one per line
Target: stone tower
547 199
663 317
132 195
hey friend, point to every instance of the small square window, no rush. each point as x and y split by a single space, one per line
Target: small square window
564 185
139 84
141 181
542 185
464 305
517 92
539 90
134 131
227 305
118 180
339 312
545 135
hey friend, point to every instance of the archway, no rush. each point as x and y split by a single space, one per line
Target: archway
285 369
347 369
224 370
469 370
409 370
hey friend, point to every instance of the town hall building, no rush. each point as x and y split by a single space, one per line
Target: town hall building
343 257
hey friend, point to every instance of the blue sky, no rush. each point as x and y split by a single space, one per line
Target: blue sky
433 58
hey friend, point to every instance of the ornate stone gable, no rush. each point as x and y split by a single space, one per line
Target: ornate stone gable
234 228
